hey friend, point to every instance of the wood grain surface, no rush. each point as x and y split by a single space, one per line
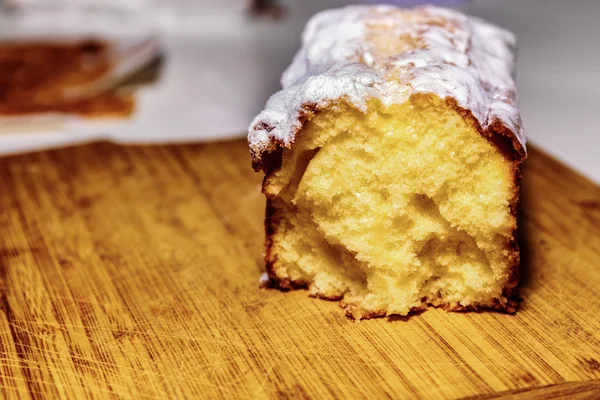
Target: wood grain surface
133 273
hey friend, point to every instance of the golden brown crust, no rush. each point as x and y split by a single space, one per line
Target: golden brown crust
267 160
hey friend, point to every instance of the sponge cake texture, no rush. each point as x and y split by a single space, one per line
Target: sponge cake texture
388 188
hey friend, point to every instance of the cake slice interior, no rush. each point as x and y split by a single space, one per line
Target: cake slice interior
394 208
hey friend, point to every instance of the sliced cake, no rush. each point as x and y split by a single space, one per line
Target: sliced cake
392 160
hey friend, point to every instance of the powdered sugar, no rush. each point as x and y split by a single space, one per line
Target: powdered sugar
360 52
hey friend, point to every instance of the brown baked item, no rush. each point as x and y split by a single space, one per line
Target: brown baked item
392 160
61 78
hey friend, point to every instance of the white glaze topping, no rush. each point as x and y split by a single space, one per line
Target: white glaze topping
359 52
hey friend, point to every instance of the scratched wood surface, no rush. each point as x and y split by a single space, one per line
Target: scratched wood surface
133 273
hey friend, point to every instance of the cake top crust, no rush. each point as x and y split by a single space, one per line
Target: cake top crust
361 52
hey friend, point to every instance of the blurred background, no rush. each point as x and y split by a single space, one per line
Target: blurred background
152 71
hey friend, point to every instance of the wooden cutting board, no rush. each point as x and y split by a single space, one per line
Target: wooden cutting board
133 273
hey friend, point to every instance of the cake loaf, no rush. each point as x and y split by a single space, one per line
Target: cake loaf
392 160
